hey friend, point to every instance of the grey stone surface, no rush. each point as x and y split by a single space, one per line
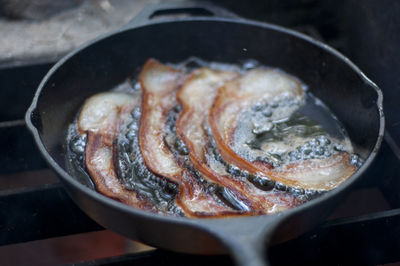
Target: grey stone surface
26 41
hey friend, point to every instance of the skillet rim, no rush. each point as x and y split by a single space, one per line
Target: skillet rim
66 177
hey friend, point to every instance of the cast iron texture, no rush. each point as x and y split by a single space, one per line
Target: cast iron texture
107 61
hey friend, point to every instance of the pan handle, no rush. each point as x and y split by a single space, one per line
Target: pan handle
247 242
191 8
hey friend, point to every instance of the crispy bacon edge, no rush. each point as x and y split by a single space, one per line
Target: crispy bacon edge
258 202
189 192
99 146
263 169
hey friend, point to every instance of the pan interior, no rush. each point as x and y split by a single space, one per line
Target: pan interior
106 63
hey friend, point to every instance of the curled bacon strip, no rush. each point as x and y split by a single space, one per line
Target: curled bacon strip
185 149
196 96
266 85
316 174
159 84
101 118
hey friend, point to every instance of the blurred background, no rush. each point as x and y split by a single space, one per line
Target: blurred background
34 34
367 31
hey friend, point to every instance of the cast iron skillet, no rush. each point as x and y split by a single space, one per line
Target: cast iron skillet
107 61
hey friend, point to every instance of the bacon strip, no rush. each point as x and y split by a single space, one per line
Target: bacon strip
196 96
316 174
101 119
159 84
99 163
265 85
104 113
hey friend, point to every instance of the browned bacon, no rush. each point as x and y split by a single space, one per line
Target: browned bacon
101 119
215 173
196 96
316 174
159 84
266 85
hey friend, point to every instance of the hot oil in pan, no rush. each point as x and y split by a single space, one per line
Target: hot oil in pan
309 131
312 130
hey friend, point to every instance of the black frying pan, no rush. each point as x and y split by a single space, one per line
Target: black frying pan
107 61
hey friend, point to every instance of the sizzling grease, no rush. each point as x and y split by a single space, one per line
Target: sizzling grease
279 133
